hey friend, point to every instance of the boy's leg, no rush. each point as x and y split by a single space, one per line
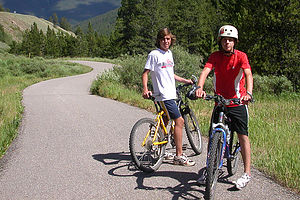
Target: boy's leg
179 123
239 117
173 112
246 152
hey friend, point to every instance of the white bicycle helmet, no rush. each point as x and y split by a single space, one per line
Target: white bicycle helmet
228 31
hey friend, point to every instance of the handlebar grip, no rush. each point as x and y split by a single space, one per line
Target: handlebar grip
209 97
151 98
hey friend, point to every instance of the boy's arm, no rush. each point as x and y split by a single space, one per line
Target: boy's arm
146 93
182 80
201 81
249 85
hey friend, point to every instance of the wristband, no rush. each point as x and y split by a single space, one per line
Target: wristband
250 94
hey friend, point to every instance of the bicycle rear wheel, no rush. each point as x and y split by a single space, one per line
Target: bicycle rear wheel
147 157
193 131
214 157
234 152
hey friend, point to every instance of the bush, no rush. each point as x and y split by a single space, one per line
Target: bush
186 64
131 71
109 76
272 84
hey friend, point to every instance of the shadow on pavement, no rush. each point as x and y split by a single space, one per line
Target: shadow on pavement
187 187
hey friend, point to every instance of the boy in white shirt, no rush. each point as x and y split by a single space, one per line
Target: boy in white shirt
160 64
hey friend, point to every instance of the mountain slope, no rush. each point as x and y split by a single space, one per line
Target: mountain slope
102 24
74 10
15 24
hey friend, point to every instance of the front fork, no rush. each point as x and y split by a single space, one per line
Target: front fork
224 150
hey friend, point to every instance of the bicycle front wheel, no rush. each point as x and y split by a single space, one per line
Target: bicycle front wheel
146 155
193 131
214 156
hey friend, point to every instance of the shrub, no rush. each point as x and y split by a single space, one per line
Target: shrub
131 71
186 64
272 84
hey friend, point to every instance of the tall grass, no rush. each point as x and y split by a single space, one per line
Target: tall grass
275 137
16 73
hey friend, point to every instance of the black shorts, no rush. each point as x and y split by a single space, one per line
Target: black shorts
239 118
170 108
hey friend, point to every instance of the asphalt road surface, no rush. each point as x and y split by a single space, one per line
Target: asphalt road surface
73 145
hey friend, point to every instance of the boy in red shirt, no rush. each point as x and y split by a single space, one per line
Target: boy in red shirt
232 72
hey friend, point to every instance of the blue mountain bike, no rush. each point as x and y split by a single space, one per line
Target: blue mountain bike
222 144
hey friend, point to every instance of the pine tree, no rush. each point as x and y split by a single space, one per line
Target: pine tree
82 48
55 19
126 26
51 44
90 37
33 41
63 23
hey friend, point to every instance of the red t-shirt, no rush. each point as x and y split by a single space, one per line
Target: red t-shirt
229 77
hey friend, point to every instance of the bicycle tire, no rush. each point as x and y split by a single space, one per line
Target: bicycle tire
149 157
193 132
234 151
214 157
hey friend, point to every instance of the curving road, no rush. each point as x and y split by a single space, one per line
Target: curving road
73 145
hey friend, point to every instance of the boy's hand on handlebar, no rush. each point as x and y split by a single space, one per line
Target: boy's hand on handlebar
246 98
147 94
190 81
200 93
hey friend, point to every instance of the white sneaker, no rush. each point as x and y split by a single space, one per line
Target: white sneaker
242 182
169 156
183 160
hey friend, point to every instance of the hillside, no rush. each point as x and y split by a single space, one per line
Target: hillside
15 24
102 24
73 10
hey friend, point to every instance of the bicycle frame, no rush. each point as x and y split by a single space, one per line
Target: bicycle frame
220 127
226 133
160 123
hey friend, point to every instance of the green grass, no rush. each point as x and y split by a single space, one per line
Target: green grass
17 73
273 126
275 137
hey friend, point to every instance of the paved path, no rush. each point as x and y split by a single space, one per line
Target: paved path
73 145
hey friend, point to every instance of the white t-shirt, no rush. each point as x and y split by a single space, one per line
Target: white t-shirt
161 65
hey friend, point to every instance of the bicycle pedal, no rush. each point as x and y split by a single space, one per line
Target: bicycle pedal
184 147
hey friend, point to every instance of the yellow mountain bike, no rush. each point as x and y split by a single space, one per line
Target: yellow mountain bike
149 137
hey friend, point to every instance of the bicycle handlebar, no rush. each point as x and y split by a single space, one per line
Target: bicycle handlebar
194 80
152 98
222 100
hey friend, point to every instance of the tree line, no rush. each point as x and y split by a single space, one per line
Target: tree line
268 32
59 44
